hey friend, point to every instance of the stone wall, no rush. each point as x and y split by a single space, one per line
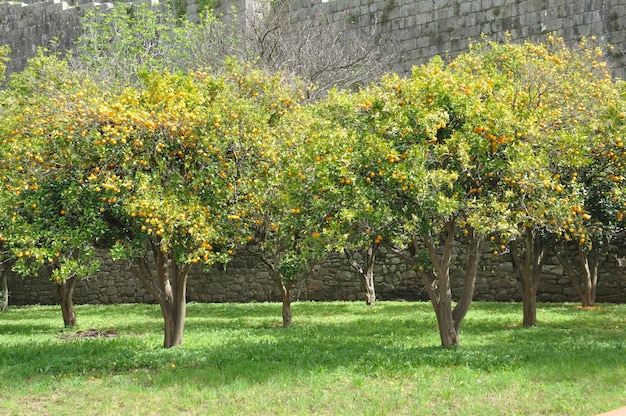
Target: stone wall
53 24
420 28
424 28
247 279
25 26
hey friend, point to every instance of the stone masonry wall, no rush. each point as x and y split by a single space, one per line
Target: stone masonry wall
247 279
54 24
420 28
424 28
25 27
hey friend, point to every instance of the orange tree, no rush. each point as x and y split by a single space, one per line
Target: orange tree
415 177
341 156
432 179
477 148
287 214
167 160
189 175
556 110
44 223
592 228
310 198
4 291
4 255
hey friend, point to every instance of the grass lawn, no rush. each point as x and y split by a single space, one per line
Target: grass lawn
340 358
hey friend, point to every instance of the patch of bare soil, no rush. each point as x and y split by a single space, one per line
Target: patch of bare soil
588 308
92 333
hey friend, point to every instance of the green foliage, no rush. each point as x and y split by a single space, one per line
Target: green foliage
47 219
291 266
206 6
179 7
131 38
4 52
74 268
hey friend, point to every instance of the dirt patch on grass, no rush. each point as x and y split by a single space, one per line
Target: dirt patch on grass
91 333
588 308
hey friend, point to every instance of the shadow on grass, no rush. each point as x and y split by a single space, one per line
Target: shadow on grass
231 343
36 320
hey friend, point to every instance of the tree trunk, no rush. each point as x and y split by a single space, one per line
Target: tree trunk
4 290
66 293
469 281
367 274
529 304
589 262
443 310
174 310
437 283
285 288
437 280
527 266
169 288
286 295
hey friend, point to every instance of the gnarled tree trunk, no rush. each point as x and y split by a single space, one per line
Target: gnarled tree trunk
367 273
66 294
528 265
286 300
469 281
168 286
4 289
585 278
437 281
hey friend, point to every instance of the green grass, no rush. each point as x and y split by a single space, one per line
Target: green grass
339 358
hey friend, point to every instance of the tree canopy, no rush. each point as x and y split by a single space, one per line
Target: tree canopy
517 145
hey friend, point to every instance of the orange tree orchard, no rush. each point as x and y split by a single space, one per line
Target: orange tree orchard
518 145
490 146
559 109
160 171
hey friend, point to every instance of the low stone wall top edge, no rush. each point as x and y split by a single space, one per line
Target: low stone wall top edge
64 5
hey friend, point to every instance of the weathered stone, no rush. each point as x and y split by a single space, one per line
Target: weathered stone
315 285
550 288
26 25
